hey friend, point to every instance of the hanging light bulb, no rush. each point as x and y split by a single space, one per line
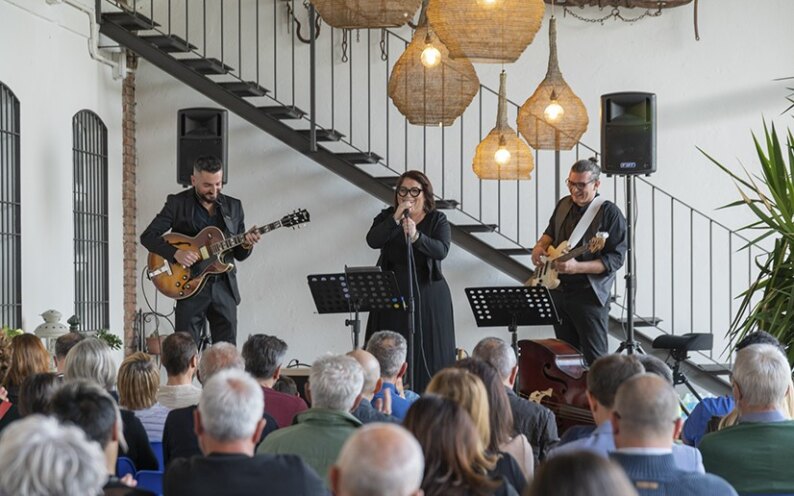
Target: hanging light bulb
554 111
431 56
502 155
487 4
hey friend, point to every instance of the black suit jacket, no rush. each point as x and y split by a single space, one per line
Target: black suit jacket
177 216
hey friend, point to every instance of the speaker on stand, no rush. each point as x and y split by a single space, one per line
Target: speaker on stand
201 132
628 148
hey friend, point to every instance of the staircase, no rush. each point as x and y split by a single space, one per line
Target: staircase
245 57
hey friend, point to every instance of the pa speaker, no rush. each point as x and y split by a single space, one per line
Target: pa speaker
201 132
628 133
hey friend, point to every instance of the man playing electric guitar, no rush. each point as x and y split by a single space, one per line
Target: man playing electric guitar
188 213
582 298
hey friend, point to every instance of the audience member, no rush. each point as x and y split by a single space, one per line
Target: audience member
653 365
468 391
264 356
36 393
179 436
139 380
180 359
28 357
379 459
62 346
91 408
580 474
318 433
366 412
534 421
91 359
503 439
455 461
755 454
228 424
645 421
40 457
390 349
286 385
603 380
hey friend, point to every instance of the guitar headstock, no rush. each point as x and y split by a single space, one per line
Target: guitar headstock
597 242
296 218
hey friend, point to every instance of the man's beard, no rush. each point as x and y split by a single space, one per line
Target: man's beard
208 197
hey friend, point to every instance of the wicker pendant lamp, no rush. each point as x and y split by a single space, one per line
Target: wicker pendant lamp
366 14
495 31
435 92
503 154
553 118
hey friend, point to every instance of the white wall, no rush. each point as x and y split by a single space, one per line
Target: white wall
44 60
711 94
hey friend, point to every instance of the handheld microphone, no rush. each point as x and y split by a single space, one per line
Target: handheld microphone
406 213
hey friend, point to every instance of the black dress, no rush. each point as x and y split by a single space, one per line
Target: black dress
434 341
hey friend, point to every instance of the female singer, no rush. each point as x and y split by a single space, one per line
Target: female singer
414 219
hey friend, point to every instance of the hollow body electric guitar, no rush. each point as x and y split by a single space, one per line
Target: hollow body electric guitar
546 275
179 282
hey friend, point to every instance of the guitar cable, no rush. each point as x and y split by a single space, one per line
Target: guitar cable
153 310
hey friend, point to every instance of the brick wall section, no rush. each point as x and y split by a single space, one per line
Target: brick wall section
129 206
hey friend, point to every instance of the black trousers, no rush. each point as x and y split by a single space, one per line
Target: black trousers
584 321
214 303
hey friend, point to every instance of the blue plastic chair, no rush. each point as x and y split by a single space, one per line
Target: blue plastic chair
158 453
124 466
151 480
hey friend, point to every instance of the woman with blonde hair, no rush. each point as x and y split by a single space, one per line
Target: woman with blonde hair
468 391
138 383
28 357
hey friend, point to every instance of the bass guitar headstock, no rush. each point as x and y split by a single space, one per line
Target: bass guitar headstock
597 242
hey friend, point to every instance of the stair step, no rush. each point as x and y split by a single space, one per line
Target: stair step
323 134
169 43
447 204
478 228
360 157
715 368
641 321
130 20
515 251
244 88
388 180
207 66
283 112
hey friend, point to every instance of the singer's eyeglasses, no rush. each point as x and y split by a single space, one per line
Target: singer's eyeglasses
403 191
579 186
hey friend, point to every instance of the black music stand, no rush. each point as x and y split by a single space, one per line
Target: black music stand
358 289
512 307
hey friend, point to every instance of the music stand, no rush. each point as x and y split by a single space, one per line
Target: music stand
359 289
512 307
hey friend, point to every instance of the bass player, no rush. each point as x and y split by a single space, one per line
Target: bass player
582 298
188 213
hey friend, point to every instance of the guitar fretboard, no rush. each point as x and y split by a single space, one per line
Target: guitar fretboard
233 241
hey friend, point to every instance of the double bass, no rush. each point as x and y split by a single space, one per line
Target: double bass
554 374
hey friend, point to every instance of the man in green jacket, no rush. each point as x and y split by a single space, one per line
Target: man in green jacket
335 386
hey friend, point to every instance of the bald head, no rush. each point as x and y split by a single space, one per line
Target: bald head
646 413
383 459
371 368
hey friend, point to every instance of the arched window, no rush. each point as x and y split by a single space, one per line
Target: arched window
10 217
90 154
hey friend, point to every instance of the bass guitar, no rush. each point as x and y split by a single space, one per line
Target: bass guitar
547 276
179 282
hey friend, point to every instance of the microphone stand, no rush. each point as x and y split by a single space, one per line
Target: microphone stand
411 305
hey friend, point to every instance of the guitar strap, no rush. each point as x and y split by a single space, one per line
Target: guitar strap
586 220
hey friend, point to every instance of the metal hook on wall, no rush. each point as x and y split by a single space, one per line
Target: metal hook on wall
317 24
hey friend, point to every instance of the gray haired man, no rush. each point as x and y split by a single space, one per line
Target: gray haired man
390 349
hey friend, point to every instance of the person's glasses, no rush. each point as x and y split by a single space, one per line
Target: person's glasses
579 186
403 191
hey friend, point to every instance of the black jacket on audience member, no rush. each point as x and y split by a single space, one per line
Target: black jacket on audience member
138 448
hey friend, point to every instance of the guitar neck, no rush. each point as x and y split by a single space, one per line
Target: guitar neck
234 241
573 253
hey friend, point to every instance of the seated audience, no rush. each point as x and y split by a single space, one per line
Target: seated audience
503 438
604 378
180 359
86 405
36 393
179 436
366 412
28 357
534 421
382 459
62 346
468 391
645 421
580 474
264 356
91 359
653 365
390 349
41 457
229 423
286 385
754 455
455 460
139 379
318 433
